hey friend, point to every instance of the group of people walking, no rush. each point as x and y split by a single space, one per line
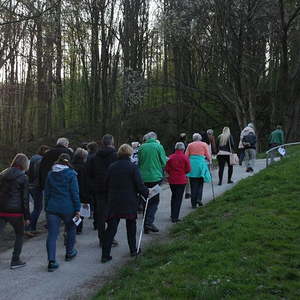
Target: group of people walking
113 183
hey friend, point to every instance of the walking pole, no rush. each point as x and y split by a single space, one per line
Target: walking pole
142 228
212 182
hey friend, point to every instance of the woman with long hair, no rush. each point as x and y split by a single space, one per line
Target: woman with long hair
225 145
14 203
62 203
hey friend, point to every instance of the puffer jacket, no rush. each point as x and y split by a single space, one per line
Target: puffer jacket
18 199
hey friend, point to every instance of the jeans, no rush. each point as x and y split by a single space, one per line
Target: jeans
53 221
176 199
196 190
222 160
111 230
250 155
152 205
18 225
37 196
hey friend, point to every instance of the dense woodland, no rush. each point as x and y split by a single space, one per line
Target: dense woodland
128 66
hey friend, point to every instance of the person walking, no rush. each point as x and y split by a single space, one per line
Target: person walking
276 138
62 203
249 128
212 142
123 183
225 145
177 167
249 144
97 171
14 203
62 146
199 156
35 190
151 160
79 165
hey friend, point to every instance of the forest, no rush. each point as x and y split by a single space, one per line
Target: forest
130 66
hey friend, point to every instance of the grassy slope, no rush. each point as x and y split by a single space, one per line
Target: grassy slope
244 245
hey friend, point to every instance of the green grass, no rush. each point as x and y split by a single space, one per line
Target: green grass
244 245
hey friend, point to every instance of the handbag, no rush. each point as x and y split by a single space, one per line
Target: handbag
233 157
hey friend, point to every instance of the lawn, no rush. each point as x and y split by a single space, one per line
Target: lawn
244 245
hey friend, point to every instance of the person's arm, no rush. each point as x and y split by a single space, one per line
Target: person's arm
206 152
231 143
168 166
140 186
162 156
74 190
282 137
25 199
187 166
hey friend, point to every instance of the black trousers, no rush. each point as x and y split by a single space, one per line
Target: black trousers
176 199
18 225
222 160
111 230
196 190
100 215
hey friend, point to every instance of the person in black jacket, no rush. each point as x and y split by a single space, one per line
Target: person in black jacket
35 190
79 165
225 145
123 183
97 171
51 157
14 203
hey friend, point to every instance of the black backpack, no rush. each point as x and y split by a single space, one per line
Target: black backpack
249 140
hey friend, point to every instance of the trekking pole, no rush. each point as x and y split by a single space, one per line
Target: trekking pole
142 228
212 183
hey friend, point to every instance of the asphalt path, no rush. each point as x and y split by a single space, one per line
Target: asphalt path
84 276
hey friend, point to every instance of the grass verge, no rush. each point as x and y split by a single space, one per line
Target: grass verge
244 245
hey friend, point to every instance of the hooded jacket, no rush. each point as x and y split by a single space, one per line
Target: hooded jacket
61 191
17 201
98 167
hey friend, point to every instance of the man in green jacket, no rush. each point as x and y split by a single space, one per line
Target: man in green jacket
151 160
276 139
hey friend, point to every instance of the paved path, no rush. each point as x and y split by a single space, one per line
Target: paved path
81 278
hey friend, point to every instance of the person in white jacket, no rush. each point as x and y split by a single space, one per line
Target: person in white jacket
249 128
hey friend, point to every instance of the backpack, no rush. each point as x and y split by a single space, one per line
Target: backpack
249 140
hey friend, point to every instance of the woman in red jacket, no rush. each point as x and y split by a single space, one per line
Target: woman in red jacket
177 167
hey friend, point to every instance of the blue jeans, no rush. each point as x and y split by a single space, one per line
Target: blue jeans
37 196
152 205
53 221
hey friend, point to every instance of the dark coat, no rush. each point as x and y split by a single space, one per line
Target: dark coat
48 161
34 169
98 167
82 177
123 183
18 198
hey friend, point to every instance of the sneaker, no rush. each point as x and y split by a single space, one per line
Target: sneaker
52 266
15 264
29 234
135 253
230 181
152 228
72 255
105 259
187 196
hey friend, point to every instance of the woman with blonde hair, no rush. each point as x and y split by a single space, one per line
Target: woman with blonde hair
14 203
123 183
225 145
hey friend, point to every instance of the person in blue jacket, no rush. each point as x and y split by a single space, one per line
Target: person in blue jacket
62 203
